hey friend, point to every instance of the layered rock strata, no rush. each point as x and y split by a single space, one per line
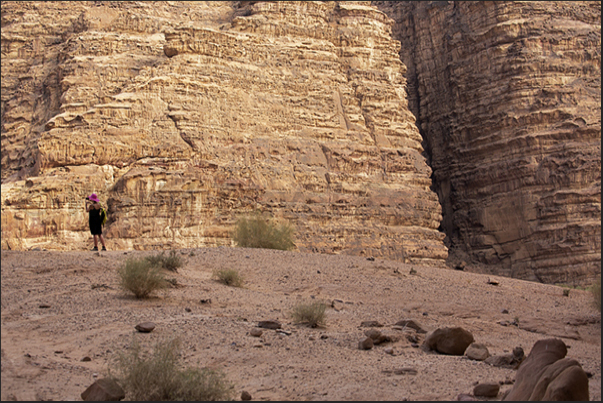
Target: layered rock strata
508 99
184 116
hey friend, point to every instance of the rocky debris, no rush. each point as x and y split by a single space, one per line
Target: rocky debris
205 301
366 343
410 323
489 389
448 340
245 395
103 390
377 336
547 375
405 371
464 397
371 323
460 266
388 350
256 332
492 282
146 327
86 359
269 324
511 360
44 306
477 352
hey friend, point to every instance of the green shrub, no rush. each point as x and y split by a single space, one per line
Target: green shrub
229 277
596 291
260 232
140 277
172 262
312 314
158 376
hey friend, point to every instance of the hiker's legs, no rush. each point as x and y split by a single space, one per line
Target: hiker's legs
102 240
96 241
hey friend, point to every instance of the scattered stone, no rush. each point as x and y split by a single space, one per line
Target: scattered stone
370 259
412 271
405 371
410 323
256 332
371 323
489 389
284 332
206 301
507 360
460 266
566 292
492 282
187 309
547 375
44 306
448 340
146 327
269 324
86 359
323 337
464 397
365 344
104 389
414 345
377 336
58 352
389 351
504 311
477 352
245 395
412 338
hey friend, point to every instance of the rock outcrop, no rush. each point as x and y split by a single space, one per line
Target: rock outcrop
508 99
183 116
546 375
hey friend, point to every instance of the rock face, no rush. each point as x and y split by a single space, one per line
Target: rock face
508 99
183 116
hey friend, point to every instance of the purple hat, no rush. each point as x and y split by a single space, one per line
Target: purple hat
94 197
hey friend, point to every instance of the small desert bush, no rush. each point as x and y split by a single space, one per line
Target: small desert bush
172 262
596 291
159 377
229 277
312 314
140 277
260 232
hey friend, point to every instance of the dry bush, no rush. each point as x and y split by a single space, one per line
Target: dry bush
229 277
140 277
172 262
158 376
596 291
260 232
312 314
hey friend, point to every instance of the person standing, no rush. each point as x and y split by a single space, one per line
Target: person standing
93 207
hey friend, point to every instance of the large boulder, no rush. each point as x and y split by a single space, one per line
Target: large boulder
448 340
547 375
103 390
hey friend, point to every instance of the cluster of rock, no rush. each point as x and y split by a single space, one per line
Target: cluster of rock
183 116
507 97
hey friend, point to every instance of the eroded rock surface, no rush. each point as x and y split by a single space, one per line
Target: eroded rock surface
183 116
508 98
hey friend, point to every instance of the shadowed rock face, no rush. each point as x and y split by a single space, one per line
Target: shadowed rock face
182 116
508 99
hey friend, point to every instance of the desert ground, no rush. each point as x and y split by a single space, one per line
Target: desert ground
59 307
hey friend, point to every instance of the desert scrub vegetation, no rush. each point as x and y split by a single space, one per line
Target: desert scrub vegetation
258 231
311 314
172 262
158 376
229 277
141 277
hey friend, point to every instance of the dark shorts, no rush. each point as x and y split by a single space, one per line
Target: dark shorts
96 228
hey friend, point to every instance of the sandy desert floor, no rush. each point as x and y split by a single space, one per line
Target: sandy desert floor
59 307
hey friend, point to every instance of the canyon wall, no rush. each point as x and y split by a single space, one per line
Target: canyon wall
508 100
183 116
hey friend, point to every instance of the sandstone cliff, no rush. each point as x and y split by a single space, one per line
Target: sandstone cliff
508 99
183 116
